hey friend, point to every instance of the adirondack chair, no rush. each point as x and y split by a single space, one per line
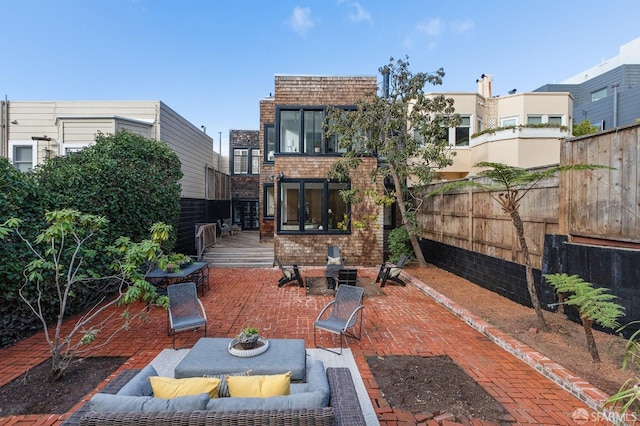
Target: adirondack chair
391 272
289 273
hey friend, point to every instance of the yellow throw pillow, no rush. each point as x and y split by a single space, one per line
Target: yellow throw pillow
167 388
259 386
333 260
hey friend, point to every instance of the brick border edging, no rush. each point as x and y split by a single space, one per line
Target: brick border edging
593 397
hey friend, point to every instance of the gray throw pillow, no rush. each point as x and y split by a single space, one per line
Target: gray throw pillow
223 387
104 403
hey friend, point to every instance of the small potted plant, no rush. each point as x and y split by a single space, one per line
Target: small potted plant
248 337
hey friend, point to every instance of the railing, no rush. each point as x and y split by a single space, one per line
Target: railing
205 237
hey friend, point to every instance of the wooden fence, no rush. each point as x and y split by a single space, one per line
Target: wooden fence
589 206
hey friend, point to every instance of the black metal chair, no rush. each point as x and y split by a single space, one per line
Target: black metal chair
342 315
391 272
289 273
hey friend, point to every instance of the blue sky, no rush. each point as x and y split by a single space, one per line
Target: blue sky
212 61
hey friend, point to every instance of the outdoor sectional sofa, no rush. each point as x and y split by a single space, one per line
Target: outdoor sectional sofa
327 398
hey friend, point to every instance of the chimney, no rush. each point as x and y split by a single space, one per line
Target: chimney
484 85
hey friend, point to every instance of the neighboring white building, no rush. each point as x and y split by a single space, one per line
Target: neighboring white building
31 131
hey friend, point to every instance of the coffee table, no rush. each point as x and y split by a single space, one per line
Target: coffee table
211 356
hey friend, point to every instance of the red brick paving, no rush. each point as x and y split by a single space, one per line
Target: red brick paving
392 325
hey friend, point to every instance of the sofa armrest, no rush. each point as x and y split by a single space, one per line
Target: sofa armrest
344 398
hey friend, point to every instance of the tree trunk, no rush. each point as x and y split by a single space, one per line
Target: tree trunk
591 342
417 250
517 223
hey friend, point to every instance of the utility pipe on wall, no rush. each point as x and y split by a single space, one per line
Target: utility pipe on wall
615 104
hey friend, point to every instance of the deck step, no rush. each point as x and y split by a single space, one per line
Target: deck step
241 250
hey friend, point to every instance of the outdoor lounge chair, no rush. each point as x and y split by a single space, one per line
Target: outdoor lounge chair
186 311
391 272
289 273
335 262
224 229
342 315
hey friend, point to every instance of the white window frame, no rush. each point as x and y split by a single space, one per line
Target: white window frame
237 164
255 161
536 116
505 121
34 152
68 147
558 116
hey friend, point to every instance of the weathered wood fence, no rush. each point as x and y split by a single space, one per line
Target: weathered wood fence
596 207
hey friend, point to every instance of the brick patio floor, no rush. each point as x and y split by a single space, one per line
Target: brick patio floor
392 324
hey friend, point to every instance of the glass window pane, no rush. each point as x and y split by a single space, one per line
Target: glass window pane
289 206
534 119
290 131
555 119
270 141
269 202
313 208
312 131
337 208
509 122
255 161
462 132
23 158
599 94
240 161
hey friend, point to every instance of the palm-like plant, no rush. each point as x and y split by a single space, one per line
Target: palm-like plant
594 305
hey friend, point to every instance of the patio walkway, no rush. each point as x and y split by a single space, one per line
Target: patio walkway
392 324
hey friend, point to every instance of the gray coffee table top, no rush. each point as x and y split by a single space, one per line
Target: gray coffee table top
211 356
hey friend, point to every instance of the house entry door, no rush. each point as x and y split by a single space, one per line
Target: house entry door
246 213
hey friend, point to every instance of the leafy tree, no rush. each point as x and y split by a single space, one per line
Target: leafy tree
131 180
63 255
508 185
594 305
406 130
584 128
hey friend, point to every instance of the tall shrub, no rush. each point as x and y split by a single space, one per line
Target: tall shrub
131 180
19 197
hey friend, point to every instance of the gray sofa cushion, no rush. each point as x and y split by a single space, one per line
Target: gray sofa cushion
316 381
139 385
297 401
104 402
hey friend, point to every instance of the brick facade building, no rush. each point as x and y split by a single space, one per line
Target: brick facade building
244 147
301 210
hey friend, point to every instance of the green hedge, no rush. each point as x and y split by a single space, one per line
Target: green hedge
131 180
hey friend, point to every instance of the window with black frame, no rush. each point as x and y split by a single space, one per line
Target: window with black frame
312 206
299 130
269 142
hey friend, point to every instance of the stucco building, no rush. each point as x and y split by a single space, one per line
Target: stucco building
519 129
